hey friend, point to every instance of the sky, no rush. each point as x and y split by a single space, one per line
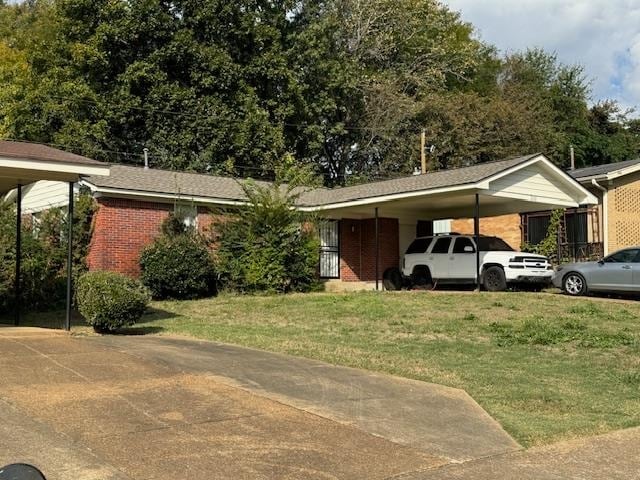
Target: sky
601 35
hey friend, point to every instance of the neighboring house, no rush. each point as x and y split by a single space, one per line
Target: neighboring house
590 231
133 202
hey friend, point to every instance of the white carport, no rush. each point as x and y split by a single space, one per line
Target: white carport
23 163
518 185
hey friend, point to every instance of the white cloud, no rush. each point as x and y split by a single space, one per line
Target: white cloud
602 35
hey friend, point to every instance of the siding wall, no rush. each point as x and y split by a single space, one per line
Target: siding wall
528 182
44 195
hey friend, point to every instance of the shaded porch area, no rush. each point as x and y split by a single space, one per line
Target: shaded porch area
23 163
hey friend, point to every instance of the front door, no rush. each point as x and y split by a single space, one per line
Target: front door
616 271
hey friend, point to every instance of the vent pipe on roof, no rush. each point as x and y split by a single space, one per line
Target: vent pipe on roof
146 158
572 155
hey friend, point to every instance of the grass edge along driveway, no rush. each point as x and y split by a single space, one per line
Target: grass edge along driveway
546 366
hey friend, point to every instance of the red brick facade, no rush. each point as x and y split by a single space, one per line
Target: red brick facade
358 248
122 229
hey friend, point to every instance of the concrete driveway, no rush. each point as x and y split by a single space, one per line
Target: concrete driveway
118 408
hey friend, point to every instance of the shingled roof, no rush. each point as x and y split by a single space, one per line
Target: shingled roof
137 179
415 183
37 151
140 180
601 170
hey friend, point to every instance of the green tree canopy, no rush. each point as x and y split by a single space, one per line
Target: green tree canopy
342 86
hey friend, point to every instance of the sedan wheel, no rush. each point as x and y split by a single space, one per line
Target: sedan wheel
574 284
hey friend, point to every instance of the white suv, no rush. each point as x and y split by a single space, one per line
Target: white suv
451 258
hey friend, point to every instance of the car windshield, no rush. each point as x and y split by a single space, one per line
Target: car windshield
494 244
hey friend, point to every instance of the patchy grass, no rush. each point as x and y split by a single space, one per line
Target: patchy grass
547 366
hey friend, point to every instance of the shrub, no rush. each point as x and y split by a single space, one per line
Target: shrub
267 246
178 267
109 301
44 254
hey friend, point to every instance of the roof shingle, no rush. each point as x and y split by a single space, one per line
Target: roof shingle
37 151
215 187
599 170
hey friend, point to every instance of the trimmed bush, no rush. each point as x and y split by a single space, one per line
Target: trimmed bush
178 267
268 246
109 301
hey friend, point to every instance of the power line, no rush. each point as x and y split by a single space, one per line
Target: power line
227 119
140 155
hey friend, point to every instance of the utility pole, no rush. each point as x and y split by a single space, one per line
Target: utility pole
423 153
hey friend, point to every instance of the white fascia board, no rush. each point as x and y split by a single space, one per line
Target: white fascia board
152 196
54 166
392 197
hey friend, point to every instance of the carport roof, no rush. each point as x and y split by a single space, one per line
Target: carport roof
442 178
22 163
37 151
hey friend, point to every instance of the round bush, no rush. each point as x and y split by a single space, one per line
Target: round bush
109 300
178 267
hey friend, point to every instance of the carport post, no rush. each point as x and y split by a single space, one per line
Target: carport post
377 252
17 283
476 233
67 321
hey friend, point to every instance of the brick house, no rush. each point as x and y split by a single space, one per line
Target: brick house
367 226
585 232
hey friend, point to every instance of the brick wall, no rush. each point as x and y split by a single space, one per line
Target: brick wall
506 227
358 252
121 230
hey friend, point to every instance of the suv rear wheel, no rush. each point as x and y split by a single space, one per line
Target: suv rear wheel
494 279
392 279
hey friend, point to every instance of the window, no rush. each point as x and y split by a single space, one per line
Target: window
329 234
188 213
461 243
494 244
537 227
419 245
576 225
441 245
624 256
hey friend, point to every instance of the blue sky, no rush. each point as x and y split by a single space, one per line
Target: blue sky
601 35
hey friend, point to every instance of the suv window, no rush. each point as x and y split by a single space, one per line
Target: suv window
419 245
441 245
493 244
624 256
461 243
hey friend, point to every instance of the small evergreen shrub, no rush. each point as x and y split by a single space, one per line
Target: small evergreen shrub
109 301
178 267
267 245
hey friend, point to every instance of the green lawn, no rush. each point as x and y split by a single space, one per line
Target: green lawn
546 366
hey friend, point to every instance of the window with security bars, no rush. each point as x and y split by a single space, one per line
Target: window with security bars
329 249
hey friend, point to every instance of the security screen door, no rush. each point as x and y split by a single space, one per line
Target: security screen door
330 249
